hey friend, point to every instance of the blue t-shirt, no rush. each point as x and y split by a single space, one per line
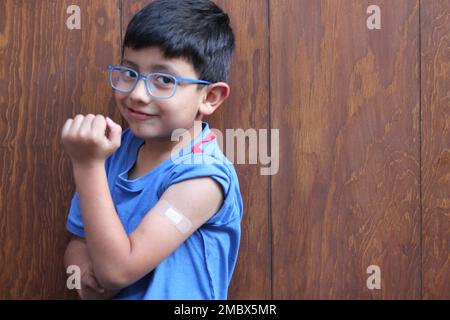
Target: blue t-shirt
202 266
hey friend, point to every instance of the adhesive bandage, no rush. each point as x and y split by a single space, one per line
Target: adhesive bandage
181 222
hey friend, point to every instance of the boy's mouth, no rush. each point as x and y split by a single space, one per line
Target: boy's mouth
140 115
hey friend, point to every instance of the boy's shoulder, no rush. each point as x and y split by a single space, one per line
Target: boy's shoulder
202 156
204 150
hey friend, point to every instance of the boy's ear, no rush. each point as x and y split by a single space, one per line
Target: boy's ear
216 94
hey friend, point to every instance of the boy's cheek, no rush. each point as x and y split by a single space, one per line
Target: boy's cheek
120 103
120 97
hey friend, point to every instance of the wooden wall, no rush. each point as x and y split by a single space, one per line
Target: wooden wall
435 156
364 138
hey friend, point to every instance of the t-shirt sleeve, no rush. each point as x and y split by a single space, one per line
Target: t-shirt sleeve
205 166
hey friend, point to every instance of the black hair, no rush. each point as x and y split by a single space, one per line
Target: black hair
196 30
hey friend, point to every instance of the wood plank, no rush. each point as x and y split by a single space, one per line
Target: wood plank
435 54
248 108
346 101
49 73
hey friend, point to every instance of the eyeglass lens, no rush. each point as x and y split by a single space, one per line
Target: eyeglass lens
159 85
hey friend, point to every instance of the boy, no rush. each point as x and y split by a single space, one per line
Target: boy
154 218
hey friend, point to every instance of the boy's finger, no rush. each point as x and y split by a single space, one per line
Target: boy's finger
99 126
87 281
86 125
97 285
115 131
93 284
77 121
65 129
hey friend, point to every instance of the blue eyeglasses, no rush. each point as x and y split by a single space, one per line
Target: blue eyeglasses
159 85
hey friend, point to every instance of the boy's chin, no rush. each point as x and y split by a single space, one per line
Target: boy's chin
146 132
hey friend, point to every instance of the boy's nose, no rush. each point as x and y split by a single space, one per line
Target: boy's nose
140 92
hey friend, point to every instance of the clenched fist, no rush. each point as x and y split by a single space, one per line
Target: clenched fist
90 139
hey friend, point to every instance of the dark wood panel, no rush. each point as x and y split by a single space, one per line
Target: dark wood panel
246 108
47 74
346 101
435 55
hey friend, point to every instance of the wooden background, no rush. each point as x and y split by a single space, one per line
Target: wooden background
364 123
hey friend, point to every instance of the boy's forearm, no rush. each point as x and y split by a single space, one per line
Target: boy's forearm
77 254
107 241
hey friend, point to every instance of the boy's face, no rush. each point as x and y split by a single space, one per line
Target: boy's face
170 114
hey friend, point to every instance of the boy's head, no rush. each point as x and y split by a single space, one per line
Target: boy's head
197 30
184 38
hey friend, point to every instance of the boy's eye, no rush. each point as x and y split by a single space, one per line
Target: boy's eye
129 74
165 81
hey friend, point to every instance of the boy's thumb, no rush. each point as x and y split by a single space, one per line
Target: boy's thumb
115 131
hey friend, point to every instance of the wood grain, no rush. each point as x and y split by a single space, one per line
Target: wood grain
346 102
248 108
435 62
48 74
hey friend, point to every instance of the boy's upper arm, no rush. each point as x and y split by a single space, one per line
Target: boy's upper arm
157 236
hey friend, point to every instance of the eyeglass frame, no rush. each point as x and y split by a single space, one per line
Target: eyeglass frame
145 78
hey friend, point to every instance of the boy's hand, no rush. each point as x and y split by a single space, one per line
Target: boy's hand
91 289
90 139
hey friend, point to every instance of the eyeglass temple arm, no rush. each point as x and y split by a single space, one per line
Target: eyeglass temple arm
193 80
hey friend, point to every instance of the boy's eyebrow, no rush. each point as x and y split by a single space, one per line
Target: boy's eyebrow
131 63
156 67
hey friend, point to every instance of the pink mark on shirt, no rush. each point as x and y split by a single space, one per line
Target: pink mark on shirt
196 148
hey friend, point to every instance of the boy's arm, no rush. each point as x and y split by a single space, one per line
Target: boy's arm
77 254
118 259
